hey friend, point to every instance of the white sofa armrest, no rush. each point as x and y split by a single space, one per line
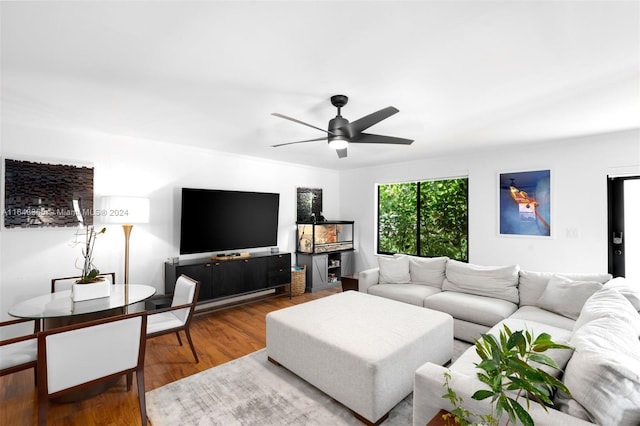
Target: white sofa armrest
428 390
367 278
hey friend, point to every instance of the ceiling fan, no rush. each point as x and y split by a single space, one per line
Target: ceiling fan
341 133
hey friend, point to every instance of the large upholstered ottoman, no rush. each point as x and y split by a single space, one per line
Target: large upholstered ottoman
360 349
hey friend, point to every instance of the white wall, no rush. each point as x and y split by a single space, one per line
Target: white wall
579 168
127 166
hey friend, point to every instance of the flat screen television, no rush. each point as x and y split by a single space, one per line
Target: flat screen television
217 220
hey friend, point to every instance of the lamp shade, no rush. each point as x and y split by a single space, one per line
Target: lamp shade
124 210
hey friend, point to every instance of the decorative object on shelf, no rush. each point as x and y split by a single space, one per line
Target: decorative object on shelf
42 195
126 211
525 203
506 367
229 256
90 285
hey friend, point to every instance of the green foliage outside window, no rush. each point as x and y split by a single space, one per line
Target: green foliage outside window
436 226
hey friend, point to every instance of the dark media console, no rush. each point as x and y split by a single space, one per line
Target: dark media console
233 276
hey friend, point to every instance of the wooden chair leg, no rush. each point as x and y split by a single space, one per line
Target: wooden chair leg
141 396
43 406
129 381
193 349
179 339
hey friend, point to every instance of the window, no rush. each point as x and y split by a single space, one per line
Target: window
424 218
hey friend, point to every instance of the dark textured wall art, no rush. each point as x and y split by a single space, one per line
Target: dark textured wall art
38 195
309 203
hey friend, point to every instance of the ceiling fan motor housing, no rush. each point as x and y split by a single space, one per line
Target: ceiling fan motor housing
338 132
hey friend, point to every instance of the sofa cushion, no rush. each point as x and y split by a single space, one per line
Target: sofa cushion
408 293
628 288
567 297
428 271
603 374
499 282
606 303
470 307
394 269
533 313
532 284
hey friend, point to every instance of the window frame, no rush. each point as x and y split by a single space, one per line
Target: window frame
418 215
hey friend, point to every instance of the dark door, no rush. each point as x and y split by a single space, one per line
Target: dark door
623 198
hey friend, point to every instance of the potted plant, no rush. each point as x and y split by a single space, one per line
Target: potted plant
90 274
506 369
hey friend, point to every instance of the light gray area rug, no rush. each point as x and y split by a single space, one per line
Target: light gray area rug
253 391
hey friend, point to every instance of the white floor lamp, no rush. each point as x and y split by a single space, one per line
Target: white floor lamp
126 211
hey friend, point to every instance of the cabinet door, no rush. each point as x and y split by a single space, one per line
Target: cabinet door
319 273
200 272
347 263
255 273
227 278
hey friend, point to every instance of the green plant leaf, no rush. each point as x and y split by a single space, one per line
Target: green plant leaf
544 359
540 392
489 365
522 414
544 342
554 382
493 344
480 350
517 340
482 394
542 347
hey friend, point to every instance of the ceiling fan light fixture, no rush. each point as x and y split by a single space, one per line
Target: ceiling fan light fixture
338 142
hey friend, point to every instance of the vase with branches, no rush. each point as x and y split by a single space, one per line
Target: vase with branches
506 369
87 240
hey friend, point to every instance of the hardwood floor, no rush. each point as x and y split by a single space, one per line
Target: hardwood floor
219 337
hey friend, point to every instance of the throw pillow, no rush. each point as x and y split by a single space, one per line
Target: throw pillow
605 303
603 374
429 271
532 284
628 288
500 282
566 297
394 270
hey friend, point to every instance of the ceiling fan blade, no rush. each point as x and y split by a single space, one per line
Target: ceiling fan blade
356 127
371 138
342 153
291 143
275 114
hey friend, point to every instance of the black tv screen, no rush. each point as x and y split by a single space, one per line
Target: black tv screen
217 220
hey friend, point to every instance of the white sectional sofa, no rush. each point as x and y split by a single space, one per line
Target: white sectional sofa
594 314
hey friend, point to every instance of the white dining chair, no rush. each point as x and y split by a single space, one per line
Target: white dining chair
177 317
18 347
74 357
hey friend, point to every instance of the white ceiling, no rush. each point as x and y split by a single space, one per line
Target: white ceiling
464 74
